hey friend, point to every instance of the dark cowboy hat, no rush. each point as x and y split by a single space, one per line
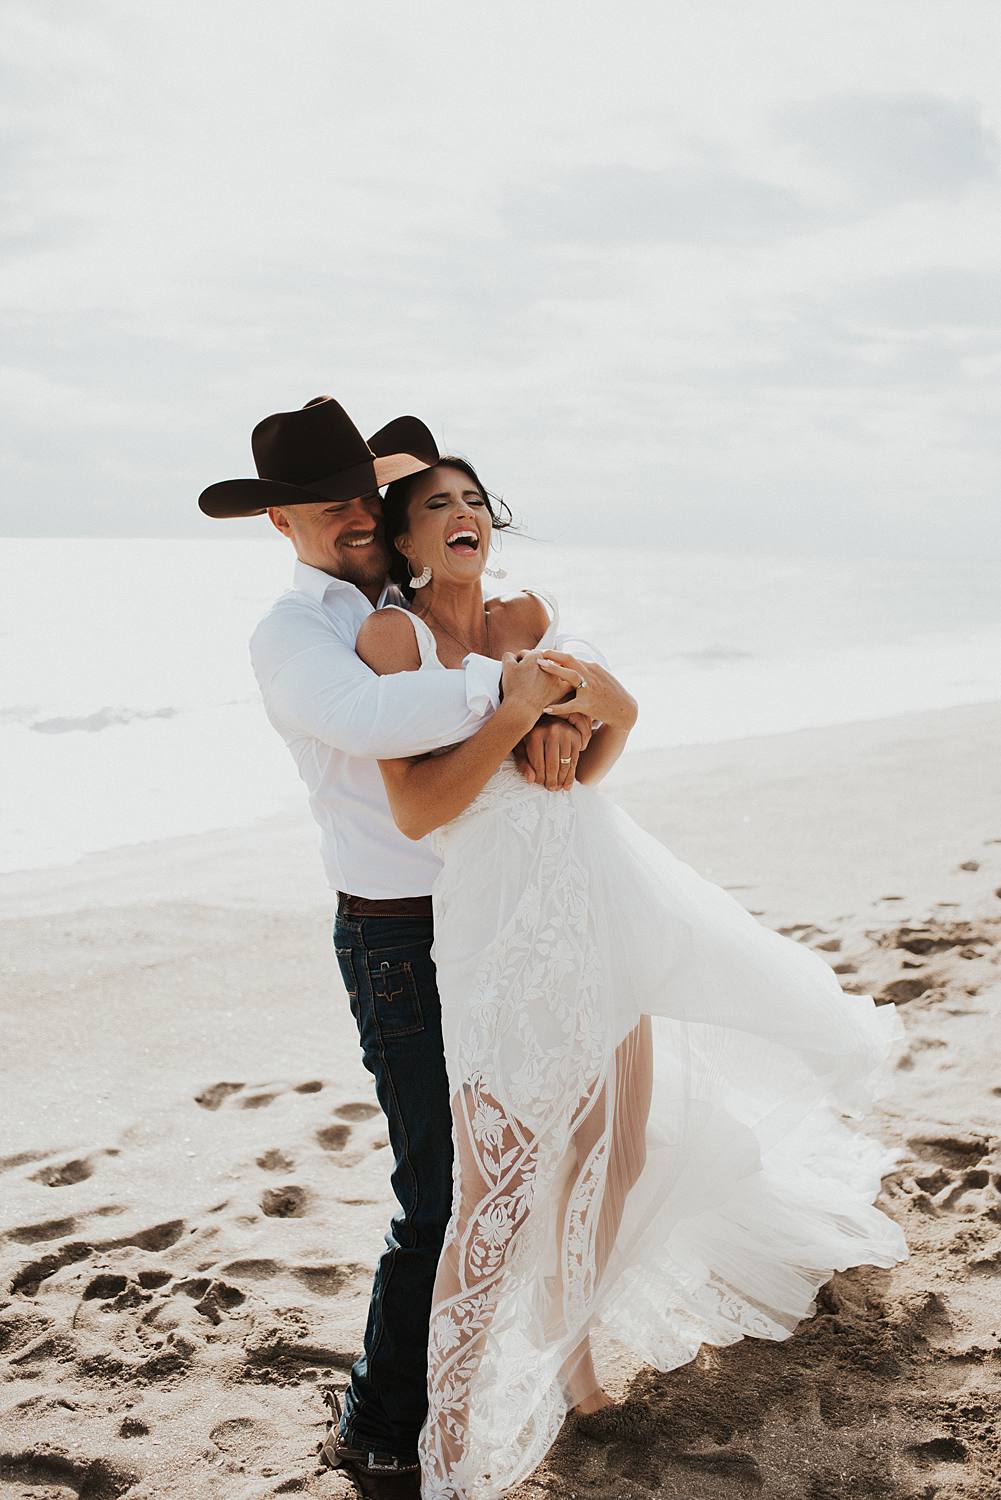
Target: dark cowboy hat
316 454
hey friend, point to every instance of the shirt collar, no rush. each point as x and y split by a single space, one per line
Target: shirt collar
317 584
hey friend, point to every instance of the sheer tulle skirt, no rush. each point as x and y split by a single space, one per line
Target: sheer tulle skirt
656 1121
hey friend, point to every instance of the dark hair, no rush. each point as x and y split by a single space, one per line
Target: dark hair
394 514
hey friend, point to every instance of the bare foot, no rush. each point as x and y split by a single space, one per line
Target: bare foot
597 1401
583 1388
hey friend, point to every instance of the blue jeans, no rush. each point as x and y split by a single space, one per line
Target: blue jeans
390 979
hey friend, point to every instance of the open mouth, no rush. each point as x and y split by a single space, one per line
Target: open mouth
360 541
465 543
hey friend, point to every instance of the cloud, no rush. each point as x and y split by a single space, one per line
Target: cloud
940 297
892 148
634 205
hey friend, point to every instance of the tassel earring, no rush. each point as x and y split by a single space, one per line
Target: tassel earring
422 579
497 572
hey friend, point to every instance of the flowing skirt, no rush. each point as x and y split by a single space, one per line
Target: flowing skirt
656 1103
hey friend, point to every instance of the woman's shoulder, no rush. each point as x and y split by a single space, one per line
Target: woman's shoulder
387 641
523 612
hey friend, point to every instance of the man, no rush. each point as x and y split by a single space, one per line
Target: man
319 481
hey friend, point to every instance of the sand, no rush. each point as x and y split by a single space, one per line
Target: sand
194 1174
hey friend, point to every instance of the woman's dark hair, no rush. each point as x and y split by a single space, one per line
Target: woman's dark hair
394 514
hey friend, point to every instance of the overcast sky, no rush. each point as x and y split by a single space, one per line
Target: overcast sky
667 270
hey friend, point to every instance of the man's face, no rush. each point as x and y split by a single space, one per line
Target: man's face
340 537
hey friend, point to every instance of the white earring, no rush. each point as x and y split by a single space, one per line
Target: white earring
423 578
497 572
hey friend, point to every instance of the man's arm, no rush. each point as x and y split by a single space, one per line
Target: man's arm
426 792
313 683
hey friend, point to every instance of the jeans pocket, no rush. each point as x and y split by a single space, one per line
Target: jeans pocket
396 1000
346 961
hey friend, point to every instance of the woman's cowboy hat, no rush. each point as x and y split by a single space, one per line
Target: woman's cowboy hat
316 454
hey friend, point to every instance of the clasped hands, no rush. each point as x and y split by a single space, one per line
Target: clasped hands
570 695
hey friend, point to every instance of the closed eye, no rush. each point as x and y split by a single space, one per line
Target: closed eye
472 497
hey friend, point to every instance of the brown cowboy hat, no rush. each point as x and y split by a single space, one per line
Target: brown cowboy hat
317 453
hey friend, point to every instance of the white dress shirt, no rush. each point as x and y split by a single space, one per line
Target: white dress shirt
338 718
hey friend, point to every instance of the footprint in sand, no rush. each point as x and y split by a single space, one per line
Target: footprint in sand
275 1161
900 991
324 1280
217 1094
960 1178
151 1281
356 1111
257 1101
104 1287
279 1349
940 1450
159 1237
932 937
260 1095
330 1280
81 1477
288 1202
246 1440
801 932
47 1229
21 1159
252 1270
333 1137
30 1277
742 1468
66 1173
219 1299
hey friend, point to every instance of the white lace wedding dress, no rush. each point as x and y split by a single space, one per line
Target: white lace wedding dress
655 1118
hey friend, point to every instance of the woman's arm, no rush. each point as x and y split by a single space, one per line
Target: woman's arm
426 792
602 698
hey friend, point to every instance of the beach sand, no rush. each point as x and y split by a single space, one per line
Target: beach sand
194 1175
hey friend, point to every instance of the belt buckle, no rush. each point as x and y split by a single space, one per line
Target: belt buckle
386 1463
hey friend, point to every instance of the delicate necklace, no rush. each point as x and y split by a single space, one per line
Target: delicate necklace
429 612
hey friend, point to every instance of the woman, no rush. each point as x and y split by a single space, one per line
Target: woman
649 1088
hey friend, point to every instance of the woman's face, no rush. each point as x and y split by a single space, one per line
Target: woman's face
449 526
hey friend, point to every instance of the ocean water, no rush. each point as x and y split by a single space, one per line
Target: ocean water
128 710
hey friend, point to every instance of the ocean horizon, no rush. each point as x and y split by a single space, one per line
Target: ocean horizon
129 712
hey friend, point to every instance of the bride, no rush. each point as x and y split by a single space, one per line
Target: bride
656 1100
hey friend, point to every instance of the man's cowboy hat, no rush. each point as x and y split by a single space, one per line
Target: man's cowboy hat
316 454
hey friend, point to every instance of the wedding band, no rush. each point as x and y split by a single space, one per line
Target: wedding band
565 760
582 685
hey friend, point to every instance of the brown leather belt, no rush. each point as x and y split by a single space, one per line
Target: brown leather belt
390 906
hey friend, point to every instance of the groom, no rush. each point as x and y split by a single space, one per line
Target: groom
319 480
